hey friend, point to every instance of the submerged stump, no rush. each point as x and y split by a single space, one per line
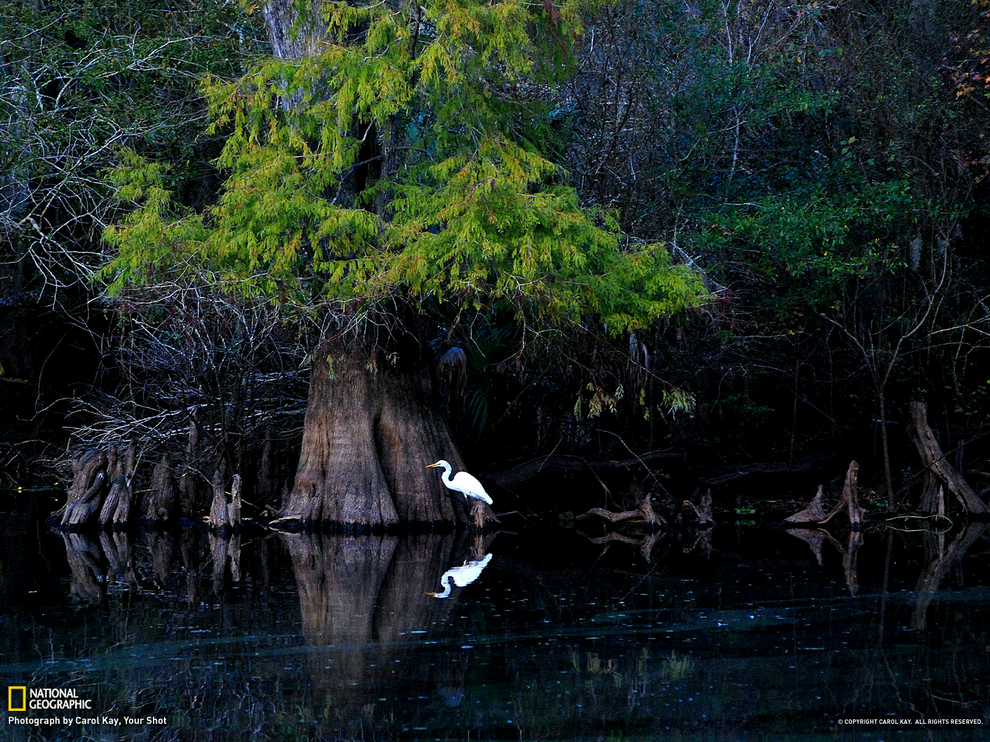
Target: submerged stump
219 518
84 497
160 504
703 510
88 500
188 497
116 508
225 514
814 513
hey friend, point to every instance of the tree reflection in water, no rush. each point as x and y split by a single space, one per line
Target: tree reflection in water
941 557
816 538
334 637
361 597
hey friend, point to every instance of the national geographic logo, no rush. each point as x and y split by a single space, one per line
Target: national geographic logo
47 701
22 698
17 698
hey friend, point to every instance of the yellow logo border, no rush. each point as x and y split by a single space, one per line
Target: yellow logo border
10 697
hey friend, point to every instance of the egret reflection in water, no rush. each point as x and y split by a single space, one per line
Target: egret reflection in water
462 576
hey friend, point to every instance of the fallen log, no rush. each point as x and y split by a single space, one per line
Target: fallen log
644 514
937 466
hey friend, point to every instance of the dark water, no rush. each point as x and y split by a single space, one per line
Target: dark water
741 634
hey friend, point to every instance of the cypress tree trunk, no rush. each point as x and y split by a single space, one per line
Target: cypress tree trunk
409 435
370 431
293 37
339 478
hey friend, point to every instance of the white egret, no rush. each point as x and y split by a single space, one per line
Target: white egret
463 575
462 482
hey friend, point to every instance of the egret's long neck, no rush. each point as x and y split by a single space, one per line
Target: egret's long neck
446 477
445 584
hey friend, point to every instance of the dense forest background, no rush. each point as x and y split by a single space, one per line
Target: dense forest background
818 168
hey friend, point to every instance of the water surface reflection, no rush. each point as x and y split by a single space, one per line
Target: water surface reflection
766 634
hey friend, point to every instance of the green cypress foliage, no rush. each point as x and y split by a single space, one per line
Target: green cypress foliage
444 105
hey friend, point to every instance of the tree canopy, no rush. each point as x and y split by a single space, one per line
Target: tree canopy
412 154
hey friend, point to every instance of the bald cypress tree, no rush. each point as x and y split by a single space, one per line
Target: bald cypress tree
392 157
